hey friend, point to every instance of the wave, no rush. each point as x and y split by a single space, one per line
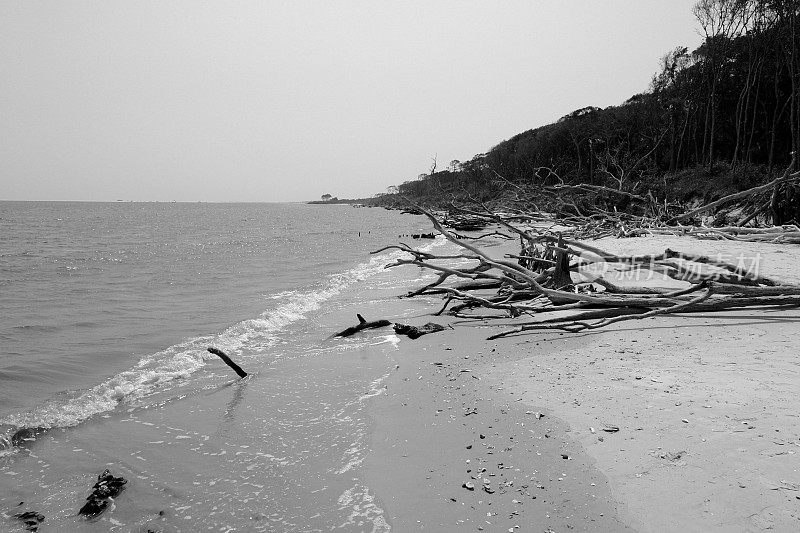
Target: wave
157 371
35 328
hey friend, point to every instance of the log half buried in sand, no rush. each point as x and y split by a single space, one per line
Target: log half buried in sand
415 332
363 324
227 360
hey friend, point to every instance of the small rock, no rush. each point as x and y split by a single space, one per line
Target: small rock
31 519
469 485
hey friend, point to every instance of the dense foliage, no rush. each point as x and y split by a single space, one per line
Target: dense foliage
726 115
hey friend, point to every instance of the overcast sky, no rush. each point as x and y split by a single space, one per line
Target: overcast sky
286 101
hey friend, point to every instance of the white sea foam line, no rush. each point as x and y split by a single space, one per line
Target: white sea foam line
176 362
356 458
182 360
394 340
6 450
375 388
362 505
300 303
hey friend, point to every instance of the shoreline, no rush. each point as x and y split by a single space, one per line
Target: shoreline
696 450
705 403
731 375
277 450
426 443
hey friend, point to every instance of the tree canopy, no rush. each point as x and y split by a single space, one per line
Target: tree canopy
732 104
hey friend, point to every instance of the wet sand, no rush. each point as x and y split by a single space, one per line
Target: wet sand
444 421
706 408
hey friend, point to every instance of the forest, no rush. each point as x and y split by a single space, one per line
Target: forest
716 120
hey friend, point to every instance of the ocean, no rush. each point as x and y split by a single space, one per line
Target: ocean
106 311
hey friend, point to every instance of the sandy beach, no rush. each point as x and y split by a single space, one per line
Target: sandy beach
677 423
389 267
674 423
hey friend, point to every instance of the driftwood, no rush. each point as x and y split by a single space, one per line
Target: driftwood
227 360
784 234
415 332
464 222
479 237
595 211
550 275
362 324
103 492
771 186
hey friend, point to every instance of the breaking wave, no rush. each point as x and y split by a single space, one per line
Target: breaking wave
157 371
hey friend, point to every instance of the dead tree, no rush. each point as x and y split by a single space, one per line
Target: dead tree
362 324
541 281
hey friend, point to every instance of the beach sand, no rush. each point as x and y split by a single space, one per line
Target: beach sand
707 407
378 431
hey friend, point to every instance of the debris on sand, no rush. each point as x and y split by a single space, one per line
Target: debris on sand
415 332
31 519
103 492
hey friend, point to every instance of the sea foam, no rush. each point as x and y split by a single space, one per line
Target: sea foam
158 371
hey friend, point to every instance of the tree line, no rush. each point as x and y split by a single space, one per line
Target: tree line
729 108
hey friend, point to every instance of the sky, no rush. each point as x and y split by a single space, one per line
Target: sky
274 101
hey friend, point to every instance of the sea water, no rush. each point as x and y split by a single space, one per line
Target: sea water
106 311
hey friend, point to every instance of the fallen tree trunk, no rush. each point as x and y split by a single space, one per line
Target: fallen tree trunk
577 323
362 324
713 284
415 332
786 177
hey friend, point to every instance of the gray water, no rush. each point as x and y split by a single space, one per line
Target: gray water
105 313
